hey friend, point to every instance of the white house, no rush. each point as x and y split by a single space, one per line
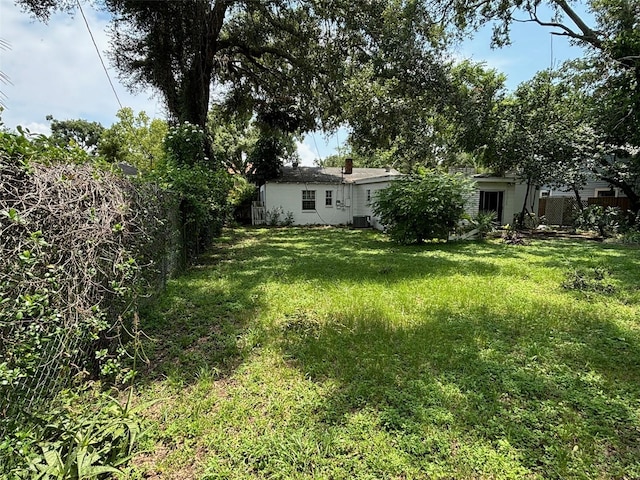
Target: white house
344 196
504 195
327 195
594 188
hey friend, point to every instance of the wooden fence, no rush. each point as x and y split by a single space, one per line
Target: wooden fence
563 210
258 213
623 203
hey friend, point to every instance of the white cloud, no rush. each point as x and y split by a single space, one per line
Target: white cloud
307 156
39 128
54 69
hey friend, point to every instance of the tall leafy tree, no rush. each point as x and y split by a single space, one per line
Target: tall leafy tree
396 84
84 133
609 74
135 139
233 137
285 61
264 55
271 150
543 134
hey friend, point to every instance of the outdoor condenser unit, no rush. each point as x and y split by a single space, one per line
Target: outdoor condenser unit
360 221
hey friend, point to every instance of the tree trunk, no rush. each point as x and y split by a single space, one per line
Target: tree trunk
576 192
524 205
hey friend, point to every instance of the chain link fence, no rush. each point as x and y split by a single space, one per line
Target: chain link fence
78 246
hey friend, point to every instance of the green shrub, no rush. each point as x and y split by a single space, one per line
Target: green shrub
272 216
423 206
631 237
604 220
203 188
485 222
185 144
86 435
203 195
24 147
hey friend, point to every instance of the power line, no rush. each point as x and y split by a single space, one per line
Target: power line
551 54
313 136
104 67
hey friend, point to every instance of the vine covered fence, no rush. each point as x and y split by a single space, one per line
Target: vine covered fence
79 246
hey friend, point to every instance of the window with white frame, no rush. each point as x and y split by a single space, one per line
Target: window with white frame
328 198
605 192
308 200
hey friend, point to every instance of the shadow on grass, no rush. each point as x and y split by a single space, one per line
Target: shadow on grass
548 391
354 256
203 321
474 375
193 328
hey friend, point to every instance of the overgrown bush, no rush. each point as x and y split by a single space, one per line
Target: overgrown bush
202 188
79 246
423 206
604 220
203 195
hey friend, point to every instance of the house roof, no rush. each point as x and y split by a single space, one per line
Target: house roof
333 175
493 178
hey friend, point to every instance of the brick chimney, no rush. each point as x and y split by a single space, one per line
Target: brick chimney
348 166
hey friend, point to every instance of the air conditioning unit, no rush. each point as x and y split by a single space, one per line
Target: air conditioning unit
361 221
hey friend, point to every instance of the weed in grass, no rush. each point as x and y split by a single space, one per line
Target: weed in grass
596 279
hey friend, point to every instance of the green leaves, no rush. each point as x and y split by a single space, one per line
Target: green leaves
81 443
422 207
135 139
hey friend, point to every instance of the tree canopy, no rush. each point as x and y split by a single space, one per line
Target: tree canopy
84 133
382 67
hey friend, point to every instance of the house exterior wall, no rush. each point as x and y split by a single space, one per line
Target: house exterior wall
364 197
588 191
288 198
513 197
348 200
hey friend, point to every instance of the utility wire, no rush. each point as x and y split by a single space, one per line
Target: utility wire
551 53
313 136
98 52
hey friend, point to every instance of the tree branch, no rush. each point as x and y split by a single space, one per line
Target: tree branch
588 35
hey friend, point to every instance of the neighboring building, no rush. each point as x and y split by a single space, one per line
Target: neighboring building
326 196
592 189
560 206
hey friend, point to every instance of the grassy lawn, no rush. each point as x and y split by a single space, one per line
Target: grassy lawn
328 353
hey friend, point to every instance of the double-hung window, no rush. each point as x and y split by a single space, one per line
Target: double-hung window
308 200
328 198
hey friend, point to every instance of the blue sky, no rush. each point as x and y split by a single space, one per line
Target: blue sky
54 69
